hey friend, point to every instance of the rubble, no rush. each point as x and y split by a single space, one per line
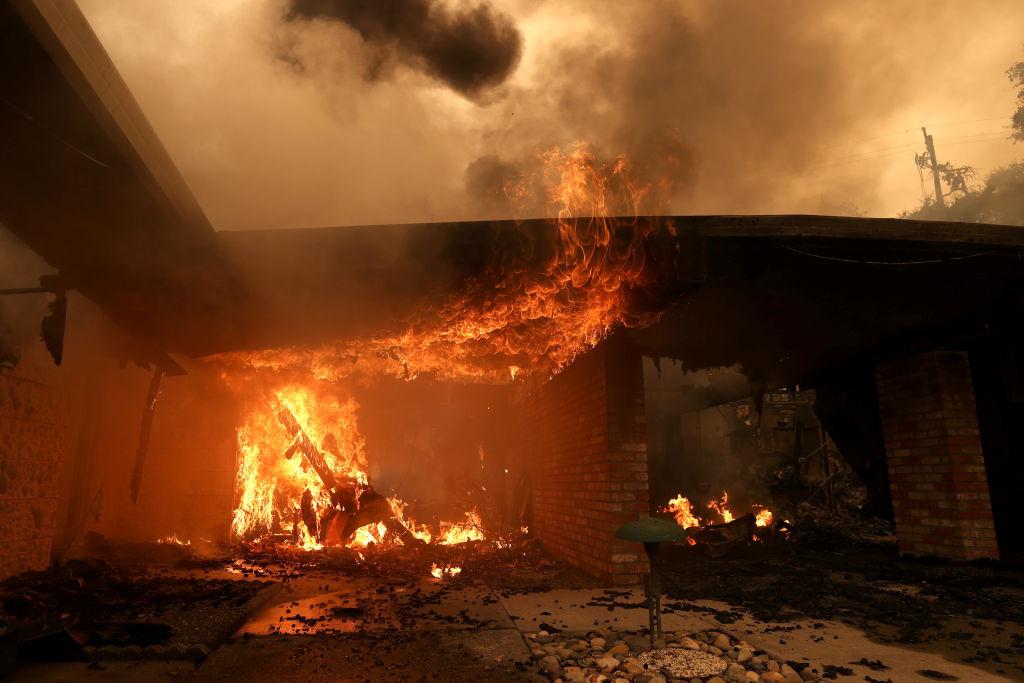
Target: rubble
101 612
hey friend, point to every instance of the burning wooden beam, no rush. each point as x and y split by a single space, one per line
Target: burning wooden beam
303 444
362 504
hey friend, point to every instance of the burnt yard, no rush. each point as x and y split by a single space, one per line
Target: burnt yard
304 414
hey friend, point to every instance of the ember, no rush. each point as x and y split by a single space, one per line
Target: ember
445 572
173 540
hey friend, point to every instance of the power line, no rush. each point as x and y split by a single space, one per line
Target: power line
889 263
873 151
1004 131
889 152
998 138
908 131
959 123
878 157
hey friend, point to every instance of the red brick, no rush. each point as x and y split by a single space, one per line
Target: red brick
589 467
931 435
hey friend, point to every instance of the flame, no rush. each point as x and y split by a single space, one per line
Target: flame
721 506
532 315
271 486
682 511
470 529
173 540
445 572
533 309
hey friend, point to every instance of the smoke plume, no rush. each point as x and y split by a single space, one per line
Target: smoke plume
747 107
471 48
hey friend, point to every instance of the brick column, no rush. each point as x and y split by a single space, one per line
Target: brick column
933 447
588 462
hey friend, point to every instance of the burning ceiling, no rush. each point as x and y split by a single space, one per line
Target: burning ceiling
529 309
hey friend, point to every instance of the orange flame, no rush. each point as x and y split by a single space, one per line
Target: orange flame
682 510
446 572
721 506
173 540
515 319
538 318
270 485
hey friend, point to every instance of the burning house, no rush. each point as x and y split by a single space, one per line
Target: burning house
336 405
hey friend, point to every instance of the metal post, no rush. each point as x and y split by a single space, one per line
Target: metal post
652 593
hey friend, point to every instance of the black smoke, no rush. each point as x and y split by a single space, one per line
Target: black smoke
472 48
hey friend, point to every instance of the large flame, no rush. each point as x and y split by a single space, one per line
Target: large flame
270 485
518 317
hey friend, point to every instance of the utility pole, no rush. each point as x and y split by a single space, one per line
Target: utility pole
930 144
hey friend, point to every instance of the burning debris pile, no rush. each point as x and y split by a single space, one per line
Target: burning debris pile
303 481
756 526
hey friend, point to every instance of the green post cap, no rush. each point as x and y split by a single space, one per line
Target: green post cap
651 530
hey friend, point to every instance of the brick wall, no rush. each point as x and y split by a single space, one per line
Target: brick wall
933 448
588 461
31 448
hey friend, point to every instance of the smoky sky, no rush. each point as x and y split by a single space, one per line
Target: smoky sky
803 106
470 48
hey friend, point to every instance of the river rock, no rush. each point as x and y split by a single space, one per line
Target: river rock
550 665
573 673
633 667
811 672
689 644
735 673
789 674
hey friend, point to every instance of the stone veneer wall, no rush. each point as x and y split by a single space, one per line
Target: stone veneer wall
32 445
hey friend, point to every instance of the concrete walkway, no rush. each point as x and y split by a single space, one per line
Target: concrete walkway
386 631
829 642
